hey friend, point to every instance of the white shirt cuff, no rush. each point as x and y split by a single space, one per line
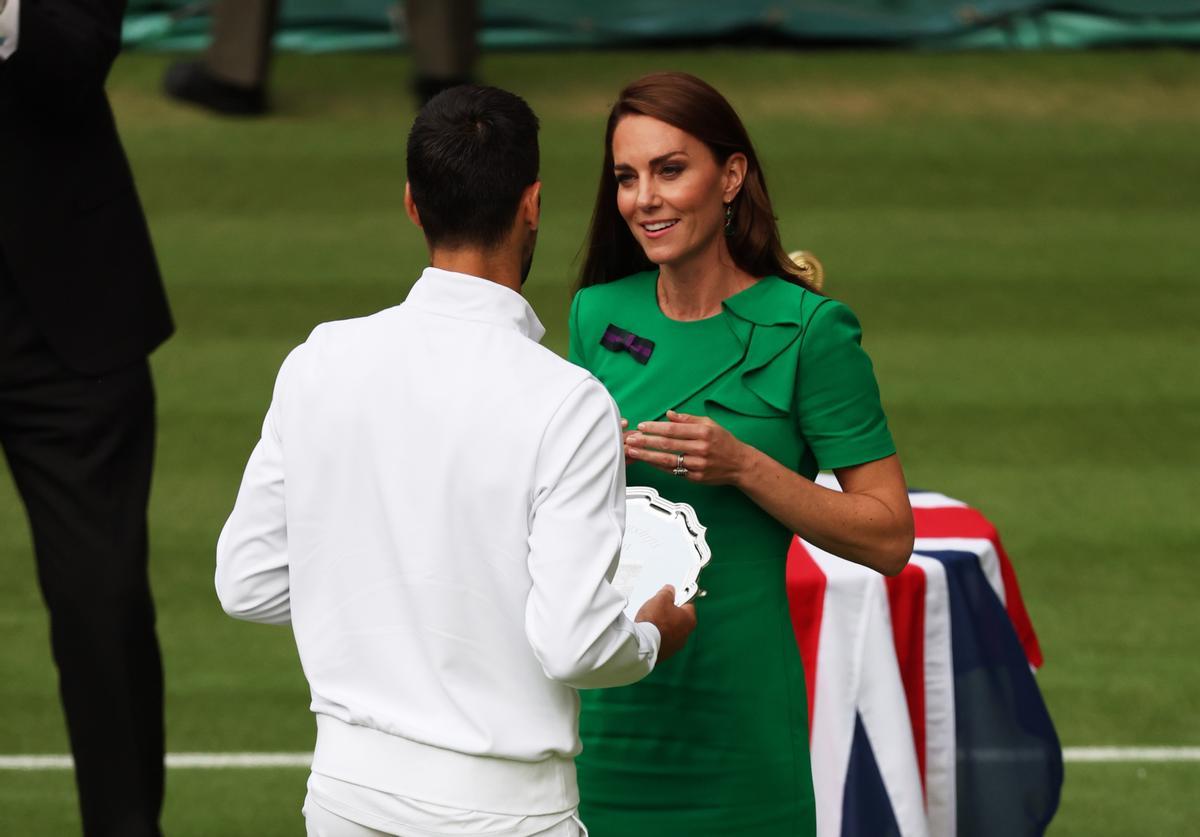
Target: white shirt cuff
9 28
649 641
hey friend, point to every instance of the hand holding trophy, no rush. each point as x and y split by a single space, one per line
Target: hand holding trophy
674 623
661 558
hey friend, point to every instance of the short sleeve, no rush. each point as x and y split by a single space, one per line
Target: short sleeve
837 398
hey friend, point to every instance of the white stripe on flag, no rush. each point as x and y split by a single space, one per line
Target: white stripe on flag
839 658
933 500
941 793
981 548
884 712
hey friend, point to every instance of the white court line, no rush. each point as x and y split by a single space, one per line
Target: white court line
1130 754
201 760
1075 755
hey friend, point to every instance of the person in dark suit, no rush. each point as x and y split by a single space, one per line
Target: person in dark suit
81 306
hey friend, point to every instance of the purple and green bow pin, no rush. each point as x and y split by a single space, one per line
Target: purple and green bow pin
619 340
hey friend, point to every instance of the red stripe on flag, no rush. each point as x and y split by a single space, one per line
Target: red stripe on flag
806 601
906 596
956 522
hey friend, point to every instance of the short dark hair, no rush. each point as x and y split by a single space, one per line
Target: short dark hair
472 152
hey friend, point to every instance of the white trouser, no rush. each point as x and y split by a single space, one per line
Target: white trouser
339 809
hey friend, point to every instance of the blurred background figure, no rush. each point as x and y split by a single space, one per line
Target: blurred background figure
81 306
441 35
232 76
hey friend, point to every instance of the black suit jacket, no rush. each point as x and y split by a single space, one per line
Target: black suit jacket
72 231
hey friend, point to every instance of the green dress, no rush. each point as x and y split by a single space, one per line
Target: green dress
715 740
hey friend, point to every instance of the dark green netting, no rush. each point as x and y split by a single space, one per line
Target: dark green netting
323 25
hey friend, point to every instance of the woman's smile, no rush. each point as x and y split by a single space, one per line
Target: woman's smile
657 229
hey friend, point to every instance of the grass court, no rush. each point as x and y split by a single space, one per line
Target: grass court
1017 232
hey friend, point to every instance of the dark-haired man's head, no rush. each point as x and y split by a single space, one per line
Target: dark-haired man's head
473 175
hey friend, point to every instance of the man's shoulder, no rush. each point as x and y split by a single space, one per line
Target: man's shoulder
352 328
338 340
332 342
537 380
551 368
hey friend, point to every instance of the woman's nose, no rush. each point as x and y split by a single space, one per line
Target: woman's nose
647 195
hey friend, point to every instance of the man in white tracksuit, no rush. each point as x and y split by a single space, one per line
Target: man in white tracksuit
436 505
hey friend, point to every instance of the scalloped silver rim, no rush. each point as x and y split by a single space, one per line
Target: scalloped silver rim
685 513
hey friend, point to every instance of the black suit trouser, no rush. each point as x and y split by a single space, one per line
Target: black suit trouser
80 450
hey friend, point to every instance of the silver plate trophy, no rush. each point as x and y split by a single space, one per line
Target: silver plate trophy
664 544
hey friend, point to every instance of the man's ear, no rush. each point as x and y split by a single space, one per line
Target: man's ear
409 206
531 205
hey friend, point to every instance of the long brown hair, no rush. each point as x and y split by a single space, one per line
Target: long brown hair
694 106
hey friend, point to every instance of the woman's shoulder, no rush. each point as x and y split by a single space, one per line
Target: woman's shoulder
618 288
810 307
594 299
775 301
806 302
828 324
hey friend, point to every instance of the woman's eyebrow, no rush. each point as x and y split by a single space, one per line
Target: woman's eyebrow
662 158
657 161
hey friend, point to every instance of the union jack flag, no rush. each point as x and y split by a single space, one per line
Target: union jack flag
924 715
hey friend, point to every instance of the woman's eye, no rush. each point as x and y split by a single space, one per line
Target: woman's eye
624 177
671 170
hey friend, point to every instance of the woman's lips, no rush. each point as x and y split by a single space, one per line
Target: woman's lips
657 229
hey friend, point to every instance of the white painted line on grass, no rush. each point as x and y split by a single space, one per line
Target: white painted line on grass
239 759
36 762
1130 754
1077 755
185 760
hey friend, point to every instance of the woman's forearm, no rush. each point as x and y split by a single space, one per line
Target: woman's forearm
869 522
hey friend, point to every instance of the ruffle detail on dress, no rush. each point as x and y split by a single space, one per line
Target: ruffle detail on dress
766 378
769 319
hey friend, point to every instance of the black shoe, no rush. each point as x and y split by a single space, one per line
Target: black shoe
190 81
426 87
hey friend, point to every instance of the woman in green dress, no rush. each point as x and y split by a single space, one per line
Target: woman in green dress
738 382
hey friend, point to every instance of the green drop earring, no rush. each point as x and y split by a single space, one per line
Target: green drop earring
728 219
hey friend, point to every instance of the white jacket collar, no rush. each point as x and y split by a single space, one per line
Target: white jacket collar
466 297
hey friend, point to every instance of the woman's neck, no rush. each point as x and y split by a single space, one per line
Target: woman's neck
696 289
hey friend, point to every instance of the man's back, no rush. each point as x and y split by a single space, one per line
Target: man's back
452 496
411 439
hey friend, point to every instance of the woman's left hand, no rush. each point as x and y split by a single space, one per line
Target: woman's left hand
711 454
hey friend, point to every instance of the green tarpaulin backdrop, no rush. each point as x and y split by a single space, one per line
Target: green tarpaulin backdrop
946 24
